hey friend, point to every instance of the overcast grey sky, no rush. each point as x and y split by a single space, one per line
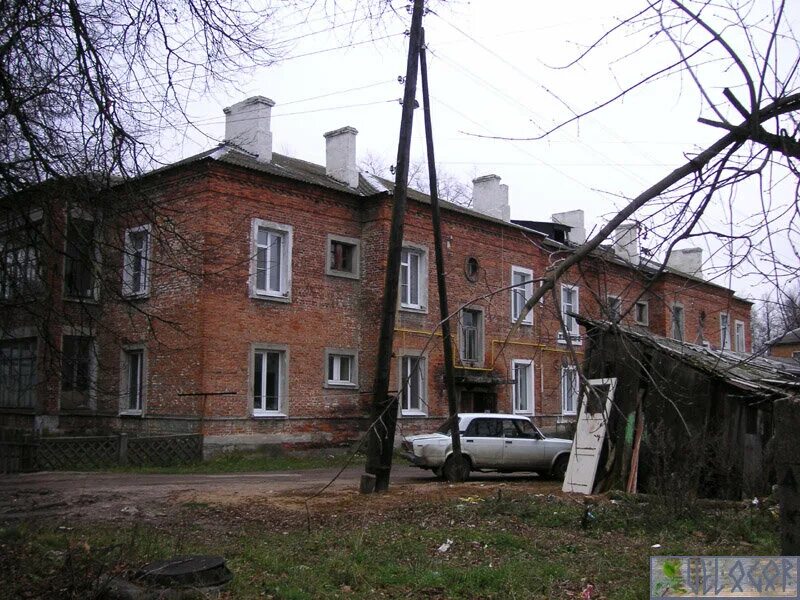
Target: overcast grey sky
493 71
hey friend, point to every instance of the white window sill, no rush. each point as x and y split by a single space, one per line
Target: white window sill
286 298
528 323
341 384
414 309
413 413
130 413
139 296
527 413
90 300
269 414
568 414
576 340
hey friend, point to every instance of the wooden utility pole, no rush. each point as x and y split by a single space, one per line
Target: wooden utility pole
457 473
383 416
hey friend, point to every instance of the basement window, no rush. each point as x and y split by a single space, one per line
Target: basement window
341 368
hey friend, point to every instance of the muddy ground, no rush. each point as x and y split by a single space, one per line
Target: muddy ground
159 498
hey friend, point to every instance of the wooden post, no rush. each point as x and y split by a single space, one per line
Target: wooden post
122 457
460 472
785 455
383 416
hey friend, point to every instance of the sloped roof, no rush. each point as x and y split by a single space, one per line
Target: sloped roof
790 337
759 375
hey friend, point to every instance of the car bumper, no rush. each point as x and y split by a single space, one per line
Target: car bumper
417 461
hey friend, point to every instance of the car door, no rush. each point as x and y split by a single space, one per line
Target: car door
483 440
522 446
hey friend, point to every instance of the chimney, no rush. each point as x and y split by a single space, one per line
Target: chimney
687 260
574 220
490 197
247 127
626 242
340 155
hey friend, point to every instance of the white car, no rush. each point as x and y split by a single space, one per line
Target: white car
490 442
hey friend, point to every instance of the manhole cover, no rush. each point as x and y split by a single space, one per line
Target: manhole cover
195 571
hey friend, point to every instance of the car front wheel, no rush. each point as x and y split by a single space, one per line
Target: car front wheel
454 472
560 467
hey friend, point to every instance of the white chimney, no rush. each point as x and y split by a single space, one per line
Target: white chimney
574 220
247 127
490 197
626 242
340 155
687 260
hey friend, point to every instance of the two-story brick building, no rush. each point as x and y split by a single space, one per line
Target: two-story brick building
238 293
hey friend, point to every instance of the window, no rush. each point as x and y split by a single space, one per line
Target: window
485 428
77 371
413 278
739 339
343 257
80 259
724 331
18 373
19 263
136 262
677 322
271 264
341 368
522 280
614 308
412 385
471 269
471 336
132 382
522 375
570 303
570 386
269 381
642 312
796 355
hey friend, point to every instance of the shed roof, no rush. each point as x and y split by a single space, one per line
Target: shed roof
789 338
760 375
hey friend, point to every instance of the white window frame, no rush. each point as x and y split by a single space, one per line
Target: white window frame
521 294
646 305
127 261
85 333
725 331
421 374
124 380
571 372
339 353
285 276
405 299
355 273
570 322
737 327
614 316
528 384
283 379
672 321
479 337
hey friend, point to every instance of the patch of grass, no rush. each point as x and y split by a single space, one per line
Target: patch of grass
516 545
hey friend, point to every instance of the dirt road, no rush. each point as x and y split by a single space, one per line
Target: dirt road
152 497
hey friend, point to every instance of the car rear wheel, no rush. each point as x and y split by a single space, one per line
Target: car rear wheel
560 467
455 472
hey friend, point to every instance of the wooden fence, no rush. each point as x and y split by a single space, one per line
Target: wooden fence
20 451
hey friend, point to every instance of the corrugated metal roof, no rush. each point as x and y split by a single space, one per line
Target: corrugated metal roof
764 376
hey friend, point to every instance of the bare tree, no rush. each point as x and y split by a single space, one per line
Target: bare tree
451 188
